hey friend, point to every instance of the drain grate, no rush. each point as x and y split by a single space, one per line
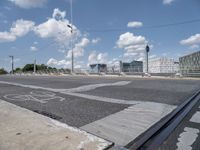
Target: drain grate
50 115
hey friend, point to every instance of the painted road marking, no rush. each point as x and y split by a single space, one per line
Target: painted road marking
103 99
124 126
196 117
78 89
95 86
187 138
38 96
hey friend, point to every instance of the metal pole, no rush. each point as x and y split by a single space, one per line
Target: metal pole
12 58
147 59
71 6
147 63
34 66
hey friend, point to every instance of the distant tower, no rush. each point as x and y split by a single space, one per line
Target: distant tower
147 58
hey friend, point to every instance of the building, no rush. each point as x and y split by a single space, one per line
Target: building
97 68
190 64
163 65
134 66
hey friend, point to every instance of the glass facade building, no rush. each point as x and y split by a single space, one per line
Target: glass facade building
134 66
190 64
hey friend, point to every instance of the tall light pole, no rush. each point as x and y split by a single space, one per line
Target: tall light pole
147 58
70 26
12 61
34 69
71 46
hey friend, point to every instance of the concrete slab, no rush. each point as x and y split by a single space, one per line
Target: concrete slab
124 126
22 129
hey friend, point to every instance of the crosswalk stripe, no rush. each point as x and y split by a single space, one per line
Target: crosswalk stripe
187 138
196 117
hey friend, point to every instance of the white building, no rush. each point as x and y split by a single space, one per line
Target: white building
163 65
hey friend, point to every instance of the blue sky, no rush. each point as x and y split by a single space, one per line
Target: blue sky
104 31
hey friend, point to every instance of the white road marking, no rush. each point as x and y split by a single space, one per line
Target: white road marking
187 138
78 89
38 96
32 86
124 126
196 117
94 86
103 99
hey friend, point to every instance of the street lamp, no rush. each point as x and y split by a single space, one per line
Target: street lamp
147 57
12 61
70 26
72 69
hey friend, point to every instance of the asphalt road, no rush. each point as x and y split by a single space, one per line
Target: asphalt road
84 102
142 89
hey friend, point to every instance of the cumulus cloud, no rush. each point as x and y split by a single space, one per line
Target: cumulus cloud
58 15
19 28
193 40
58 63
29 3
22 27
167 2
33 48
135 24
57 28
95 41
133 45
95 57
78 50
7 37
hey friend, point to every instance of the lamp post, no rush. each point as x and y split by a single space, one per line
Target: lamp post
147 58
71 27
12 61
72 69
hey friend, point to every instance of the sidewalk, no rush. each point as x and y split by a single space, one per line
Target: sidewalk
22 129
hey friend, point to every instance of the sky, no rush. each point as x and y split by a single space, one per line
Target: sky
101 31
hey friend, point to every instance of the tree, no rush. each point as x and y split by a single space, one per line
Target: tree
18 70
3 71
28 67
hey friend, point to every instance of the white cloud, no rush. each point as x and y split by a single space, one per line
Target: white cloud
58 15
29 3
167 2
57 28
78 50
95 57
58 63
192 40
95 41
7 37
19 28
133 45
135 24
33 48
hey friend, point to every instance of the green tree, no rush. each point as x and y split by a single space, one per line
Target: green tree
17 70
28 67
3 71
